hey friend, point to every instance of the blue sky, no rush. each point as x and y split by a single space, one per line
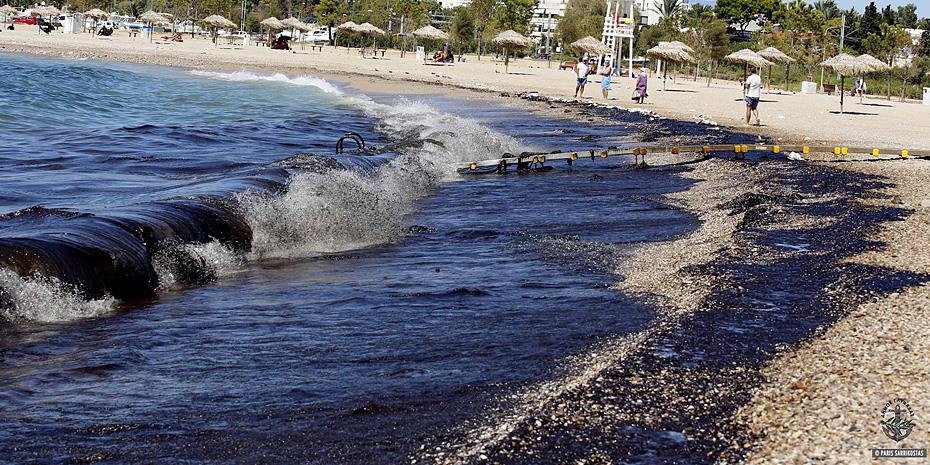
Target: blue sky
923 6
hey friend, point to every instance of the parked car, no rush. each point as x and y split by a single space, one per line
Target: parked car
30 20
317 36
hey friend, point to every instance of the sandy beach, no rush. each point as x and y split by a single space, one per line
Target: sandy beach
795 117
819 402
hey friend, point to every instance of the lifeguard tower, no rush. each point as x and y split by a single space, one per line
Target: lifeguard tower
618 24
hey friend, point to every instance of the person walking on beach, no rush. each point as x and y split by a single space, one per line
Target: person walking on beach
861 88
581 72
753 86
605 73
642 83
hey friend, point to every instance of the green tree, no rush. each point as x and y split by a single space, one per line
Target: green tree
871 22
906 16
482 12
828 8
888 15
886 45
329 13
667 8
923 47
582 18
743 12
514 14
799 16
709 38
462 27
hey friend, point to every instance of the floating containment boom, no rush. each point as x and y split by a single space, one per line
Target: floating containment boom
537 160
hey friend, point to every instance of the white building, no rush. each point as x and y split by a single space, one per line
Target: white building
542 25
453 3
649 14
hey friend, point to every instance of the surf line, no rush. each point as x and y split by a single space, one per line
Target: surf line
528 160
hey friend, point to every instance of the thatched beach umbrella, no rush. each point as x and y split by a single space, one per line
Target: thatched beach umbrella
669 53
370 29
775 55
295 25
510 40
153 18
678 44
747 57
215 22
845 65
347 27
591 46
9 12
45 11
874 64
429 32
96 14
273 24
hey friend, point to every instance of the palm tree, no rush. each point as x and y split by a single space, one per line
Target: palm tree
828 7
667 8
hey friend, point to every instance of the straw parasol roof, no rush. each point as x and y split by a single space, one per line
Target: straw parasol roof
430 32
349 26
774 54
874 63
368 28
46 11
748 57
272 23
678 44
847 65
511 39
96 13
669 53
153 17
591 45
218 21
8 10
295 23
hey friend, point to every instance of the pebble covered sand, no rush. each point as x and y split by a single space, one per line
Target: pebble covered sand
822 403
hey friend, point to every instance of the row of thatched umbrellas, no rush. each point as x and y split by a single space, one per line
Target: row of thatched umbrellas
843 64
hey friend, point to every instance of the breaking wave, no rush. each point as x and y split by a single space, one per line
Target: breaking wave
317 208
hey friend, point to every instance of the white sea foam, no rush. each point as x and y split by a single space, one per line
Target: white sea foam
320 212
45 300
246 76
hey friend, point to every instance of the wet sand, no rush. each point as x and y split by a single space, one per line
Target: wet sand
819 400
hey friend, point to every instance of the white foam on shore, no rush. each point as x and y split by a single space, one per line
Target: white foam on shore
45 300
344 210
247 76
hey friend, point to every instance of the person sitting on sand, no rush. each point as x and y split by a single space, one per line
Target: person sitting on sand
642 83
753 88
605 73
581 73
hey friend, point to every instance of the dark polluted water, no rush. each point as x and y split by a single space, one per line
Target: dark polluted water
319 308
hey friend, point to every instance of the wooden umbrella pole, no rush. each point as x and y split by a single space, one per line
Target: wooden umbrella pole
842 81
770 78
787 70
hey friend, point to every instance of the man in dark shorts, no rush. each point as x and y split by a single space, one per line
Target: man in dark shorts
753 86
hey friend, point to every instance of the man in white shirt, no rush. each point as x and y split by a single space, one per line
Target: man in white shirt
753 86
581 72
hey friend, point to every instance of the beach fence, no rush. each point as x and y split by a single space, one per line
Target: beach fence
540 160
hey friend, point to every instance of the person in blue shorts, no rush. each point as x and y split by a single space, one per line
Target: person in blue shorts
581 72
753 86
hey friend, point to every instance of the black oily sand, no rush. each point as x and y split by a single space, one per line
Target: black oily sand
672 400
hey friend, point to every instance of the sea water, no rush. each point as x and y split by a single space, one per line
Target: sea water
189 272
